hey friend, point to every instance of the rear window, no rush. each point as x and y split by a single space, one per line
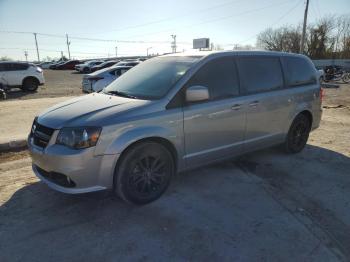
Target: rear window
298 71
260 74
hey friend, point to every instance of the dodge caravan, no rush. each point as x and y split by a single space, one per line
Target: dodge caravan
173 113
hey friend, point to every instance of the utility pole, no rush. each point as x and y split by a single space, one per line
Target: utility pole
173 44
149 49
37 49
62 55
26 55
68 44
304 28
116 51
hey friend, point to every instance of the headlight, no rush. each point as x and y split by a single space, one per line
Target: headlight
78 137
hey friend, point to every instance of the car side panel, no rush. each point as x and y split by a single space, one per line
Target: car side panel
213 130
305 98
266 119
166 124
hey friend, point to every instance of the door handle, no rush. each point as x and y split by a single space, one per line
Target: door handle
254 103
236 107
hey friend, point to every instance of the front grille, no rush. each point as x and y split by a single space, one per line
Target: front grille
57 178
41 134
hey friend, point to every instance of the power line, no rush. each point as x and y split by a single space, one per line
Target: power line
171 18
274 23
214 20
149 42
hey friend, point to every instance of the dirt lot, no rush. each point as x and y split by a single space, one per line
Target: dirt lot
57 83
265 206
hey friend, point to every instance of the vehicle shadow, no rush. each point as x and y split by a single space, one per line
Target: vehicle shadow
17 93
37 223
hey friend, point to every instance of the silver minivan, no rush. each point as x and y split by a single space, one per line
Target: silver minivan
173 113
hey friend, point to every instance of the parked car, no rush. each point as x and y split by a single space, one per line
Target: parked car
45 65
68 65
54 65
128 63
22 75
98 80
173 113
86 67
103 65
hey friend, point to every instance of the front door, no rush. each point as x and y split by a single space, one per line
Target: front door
214 129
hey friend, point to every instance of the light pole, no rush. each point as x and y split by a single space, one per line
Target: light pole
26 55
173 44
68 44
149 49
37 48
116 51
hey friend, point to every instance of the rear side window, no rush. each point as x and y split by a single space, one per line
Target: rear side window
260 74
298 71
115 72
6 67
219 76
18 67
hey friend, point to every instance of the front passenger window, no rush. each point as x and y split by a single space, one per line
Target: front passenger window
219 76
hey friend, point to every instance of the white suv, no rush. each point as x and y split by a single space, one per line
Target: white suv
23 75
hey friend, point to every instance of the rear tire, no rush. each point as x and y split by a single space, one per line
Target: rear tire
298 134
144 173
30 84
346 78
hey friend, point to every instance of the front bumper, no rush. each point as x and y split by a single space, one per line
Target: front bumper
84 171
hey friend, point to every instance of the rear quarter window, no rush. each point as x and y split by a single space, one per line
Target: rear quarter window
260 74
298 71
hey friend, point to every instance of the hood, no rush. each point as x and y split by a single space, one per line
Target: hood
87 110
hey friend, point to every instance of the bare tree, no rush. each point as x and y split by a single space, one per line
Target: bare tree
328 38
285 39
320 40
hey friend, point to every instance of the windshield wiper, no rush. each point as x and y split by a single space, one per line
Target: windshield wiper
122 94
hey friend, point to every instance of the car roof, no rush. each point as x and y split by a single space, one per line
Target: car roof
104 70
202 54
14 62
119 66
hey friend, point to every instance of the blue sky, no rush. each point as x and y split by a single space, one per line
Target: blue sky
225 22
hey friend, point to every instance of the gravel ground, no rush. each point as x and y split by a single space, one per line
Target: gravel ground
265 206
57 83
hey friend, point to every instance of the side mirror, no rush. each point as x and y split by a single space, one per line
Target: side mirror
197 93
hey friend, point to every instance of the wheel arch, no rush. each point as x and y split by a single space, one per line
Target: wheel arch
308 114
157 139
31 77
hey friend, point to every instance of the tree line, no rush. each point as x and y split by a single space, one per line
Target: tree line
329 38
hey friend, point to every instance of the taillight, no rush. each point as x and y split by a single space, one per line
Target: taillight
321 94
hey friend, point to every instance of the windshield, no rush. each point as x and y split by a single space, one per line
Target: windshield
152 79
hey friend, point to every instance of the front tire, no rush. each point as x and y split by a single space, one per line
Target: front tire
30 84
298 134
144 173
